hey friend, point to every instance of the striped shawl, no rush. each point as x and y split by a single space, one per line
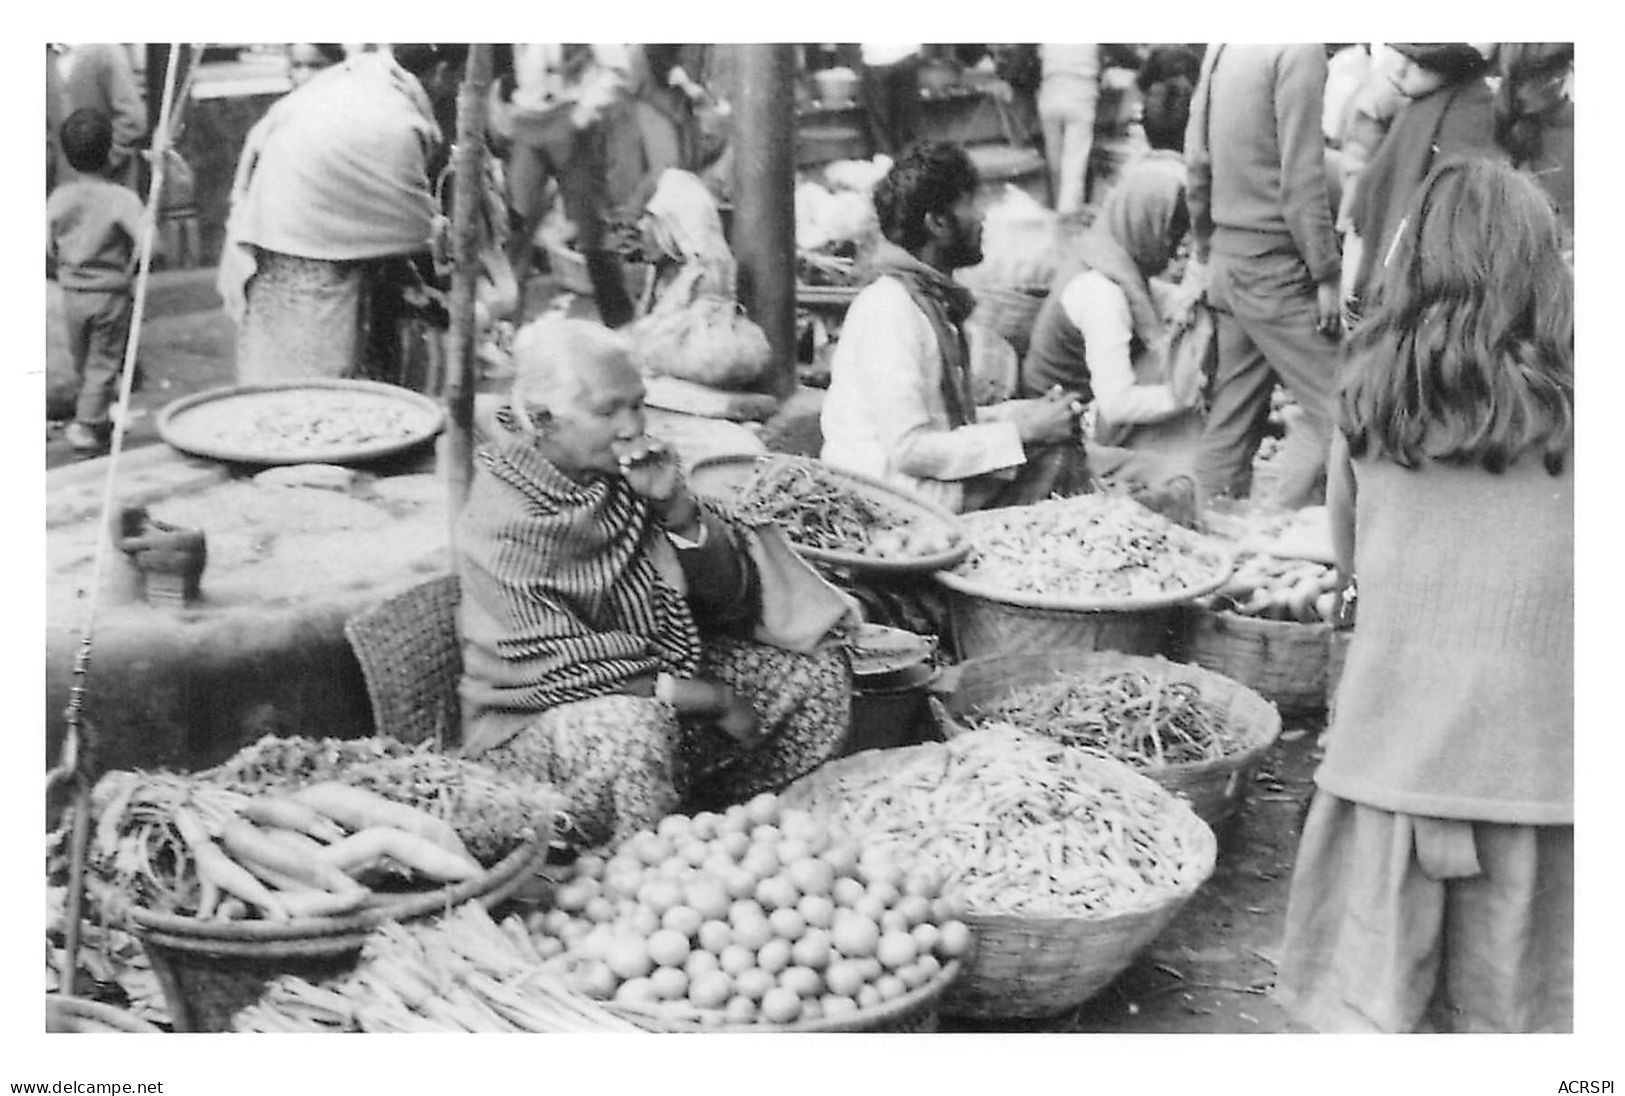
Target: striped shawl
562 600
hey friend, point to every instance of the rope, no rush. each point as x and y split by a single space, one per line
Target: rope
73 761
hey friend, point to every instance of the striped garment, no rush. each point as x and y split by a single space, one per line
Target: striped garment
562 600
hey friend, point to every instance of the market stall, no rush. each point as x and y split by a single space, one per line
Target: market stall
328 876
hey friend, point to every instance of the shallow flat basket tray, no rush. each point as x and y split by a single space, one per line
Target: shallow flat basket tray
724 478
1026 965
1214 789
1284 661
211 969
183 423
913 1012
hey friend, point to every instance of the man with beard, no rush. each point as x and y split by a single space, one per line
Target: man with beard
900 404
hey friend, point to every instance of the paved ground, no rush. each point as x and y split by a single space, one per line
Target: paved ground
1210 971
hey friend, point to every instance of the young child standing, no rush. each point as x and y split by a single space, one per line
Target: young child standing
1434 885
92 228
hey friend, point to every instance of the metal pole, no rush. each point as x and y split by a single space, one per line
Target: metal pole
764 228
468 166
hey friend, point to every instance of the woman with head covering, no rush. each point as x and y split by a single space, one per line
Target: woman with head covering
333 215
1101 332
621 639
1448 110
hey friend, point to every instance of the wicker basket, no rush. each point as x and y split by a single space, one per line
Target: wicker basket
988 621
1215 789
914 1012
1008 311
411 661
983 626
1023 965
85 1017
1284 661
1032 967
209 970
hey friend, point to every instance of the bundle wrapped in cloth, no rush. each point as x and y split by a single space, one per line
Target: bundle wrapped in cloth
704 338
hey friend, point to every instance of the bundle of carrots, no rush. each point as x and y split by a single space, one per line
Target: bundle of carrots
178 846
492 813
463 972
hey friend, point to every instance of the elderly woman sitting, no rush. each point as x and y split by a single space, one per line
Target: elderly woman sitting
625 641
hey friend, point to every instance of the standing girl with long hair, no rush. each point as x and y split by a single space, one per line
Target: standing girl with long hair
1434 886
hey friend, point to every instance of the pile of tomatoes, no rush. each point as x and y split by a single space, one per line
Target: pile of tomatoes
759 914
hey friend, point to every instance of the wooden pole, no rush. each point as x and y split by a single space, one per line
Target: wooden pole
468 166
764 228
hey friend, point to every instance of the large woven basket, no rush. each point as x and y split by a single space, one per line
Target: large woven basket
914 1012
82 1016
1033 966
1215 789
411 661
209 970
984 626
1284 661
990 621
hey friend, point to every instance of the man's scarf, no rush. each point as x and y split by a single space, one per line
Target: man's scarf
946 305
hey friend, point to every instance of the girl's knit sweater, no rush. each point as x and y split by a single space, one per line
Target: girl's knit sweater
1457 698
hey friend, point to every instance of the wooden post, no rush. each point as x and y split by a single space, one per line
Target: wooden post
468 166
764 227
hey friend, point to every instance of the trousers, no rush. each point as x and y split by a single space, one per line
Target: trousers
547 146
1266 316
98 323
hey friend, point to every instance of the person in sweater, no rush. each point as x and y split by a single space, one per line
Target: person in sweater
1447 109
1066 106
900 404
1434 884
92 228
1261 220
620 638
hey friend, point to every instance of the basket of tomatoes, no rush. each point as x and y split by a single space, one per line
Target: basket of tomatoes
757 918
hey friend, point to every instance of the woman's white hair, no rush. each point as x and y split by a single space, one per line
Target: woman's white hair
551 355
